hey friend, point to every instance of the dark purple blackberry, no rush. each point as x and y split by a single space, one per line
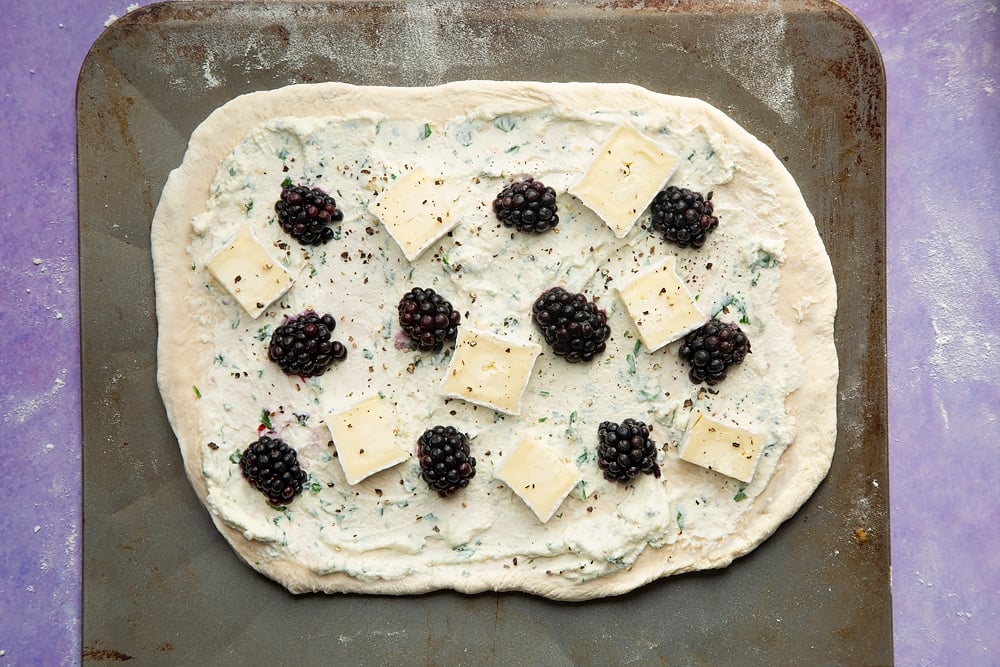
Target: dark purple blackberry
527 205
272 467
625 450
575 327
712 349
307 213
428 319
445 462
683 217
302 345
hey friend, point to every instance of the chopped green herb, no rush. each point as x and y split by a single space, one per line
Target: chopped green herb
583 488
265 418
301 419
504 123
219 359
636 347
740 494
248 207
426 131
513 149
312 486
197 392
631 363
263 332
543 419
680 521
283 154
285 183
646 395
235 457
735 302
583 457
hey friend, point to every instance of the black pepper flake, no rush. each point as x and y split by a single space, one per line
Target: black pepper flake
213 446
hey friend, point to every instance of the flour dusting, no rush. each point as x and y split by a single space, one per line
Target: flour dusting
741 42
417 42
965 348
26 409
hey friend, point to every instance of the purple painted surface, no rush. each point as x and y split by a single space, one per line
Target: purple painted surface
944 317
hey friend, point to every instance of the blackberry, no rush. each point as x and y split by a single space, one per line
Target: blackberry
683 216
527 205
711 349
445 462
625 450
428 319
575 327
272 467
307 213
302 345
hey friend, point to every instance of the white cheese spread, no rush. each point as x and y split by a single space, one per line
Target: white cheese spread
378 523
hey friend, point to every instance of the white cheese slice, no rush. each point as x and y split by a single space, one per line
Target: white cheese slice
538 476
250 274
724 448
624 176
660 305
416 210
490 370
365 437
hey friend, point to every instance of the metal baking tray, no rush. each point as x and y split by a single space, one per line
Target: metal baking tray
160 584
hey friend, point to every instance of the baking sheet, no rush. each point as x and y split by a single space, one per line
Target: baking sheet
159 582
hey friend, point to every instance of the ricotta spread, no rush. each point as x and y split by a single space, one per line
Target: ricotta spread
376 527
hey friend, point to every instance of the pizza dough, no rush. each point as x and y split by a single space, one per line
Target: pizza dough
765 267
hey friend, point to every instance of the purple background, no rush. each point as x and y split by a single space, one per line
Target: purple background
944 347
